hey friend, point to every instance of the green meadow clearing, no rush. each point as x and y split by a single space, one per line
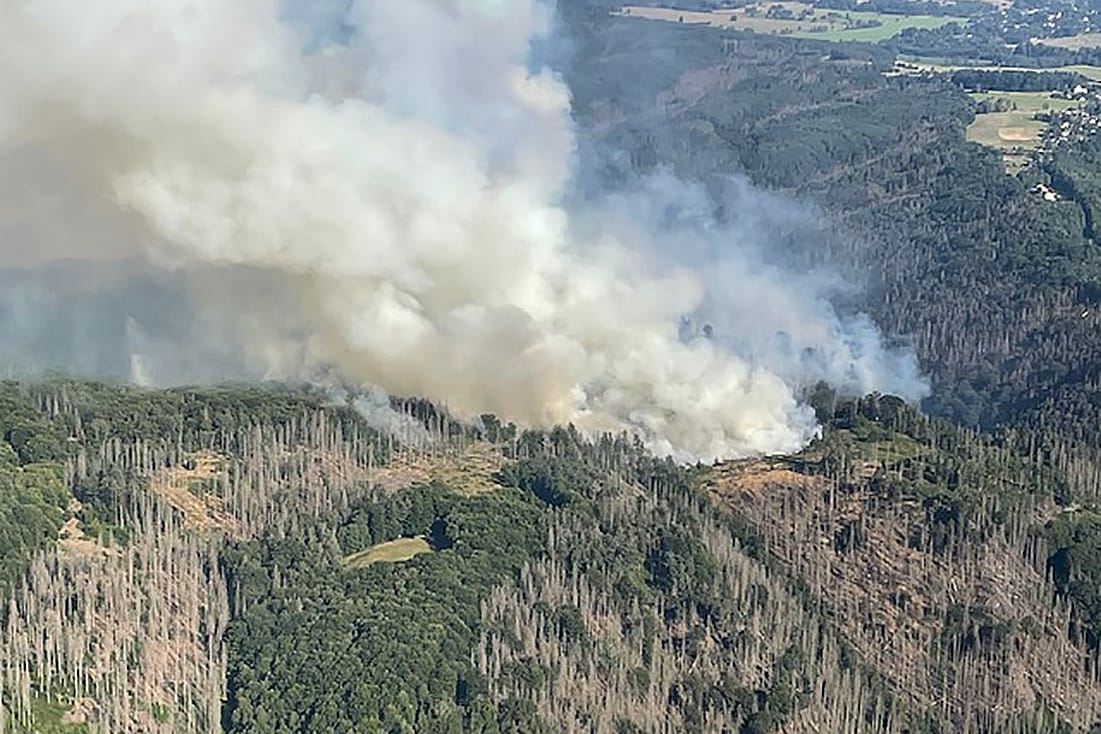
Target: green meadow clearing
393 551
1016 131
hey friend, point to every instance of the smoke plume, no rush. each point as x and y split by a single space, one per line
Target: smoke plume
386 194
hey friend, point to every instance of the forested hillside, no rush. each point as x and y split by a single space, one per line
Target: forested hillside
994 286
262 560
283 558
892 516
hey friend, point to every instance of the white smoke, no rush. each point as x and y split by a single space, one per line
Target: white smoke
404 186
139 369
776 315
373 404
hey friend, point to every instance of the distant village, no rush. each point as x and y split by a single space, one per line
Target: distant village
1076 123
1070 126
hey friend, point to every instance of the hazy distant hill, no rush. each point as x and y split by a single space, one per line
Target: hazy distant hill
117 319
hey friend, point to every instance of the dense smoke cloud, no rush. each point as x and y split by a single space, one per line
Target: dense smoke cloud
388 199
760 301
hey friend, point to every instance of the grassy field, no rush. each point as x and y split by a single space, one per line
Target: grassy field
806 21
1074 43
394 551
914 65
1014 132
1028 102
1005 130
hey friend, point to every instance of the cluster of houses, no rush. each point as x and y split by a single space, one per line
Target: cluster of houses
1045 191
1070 126
1076 123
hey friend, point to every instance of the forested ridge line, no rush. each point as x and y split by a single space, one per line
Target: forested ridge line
589 587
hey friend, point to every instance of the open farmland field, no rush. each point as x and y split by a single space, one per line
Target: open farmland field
915 65
1028 102
797 19
1006 130
1016 131
1074 43
394 551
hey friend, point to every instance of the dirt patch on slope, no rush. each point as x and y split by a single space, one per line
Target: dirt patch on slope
73 542
469 471
183 487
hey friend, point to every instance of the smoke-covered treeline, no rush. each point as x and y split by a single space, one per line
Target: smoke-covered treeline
376 188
